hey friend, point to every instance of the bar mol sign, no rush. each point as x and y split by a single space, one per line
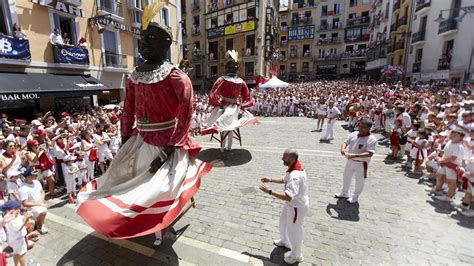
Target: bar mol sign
63 7
18 96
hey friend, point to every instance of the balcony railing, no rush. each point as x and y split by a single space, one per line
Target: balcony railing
396 6
196 30
420 4
294 55
402 21
302 21
358 21
444 63
284 28
359 38
327 57
198 55
306 53
418 36
213 56
416 67
447 25
249 52
67 54
283 43
393 27
355 53
330 27
322 41
111 6
213 7
15 49
110 59
399 45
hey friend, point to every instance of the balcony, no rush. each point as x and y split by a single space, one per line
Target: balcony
402 22
302 21
284 28
213 7
306 53
399 45
16 49
327 41
416 67
393 27
360 38
110 59
328 27
302 5
358 21
448 26
418 37
422 4
328 57
195 6
196 30
228 3
355 53
293 54
213 56
396 6
444 62
284 43
249 52
198 55
110 7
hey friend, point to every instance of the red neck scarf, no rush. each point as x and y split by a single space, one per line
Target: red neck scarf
61 145
99 133
297 166
6 154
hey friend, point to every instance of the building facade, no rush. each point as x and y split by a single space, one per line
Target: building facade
246 26
100 49
441 47
399 32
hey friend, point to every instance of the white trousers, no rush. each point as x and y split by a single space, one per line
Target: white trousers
352 121
353 169
329 133
90 170
378 124
291 228
70 182
227 142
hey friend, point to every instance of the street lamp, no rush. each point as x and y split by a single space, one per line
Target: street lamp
459 18
94 22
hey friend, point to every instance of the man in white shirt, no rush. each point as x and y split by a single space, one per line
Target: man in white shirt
32 197
55 38
358 148
332 115
296 204
406 125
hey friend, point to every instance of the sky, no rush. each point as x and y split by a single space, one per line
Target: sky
284 2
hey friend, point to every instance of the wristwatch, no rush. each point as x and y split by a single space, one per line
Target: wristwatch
270 192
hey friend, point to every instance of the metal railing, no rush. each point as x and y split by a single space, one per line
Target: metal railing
358 21
306 54
303 21
111 6
328 57
444 63
329 27
329 41
110 59
447 25
420 4
416 67
402 21
396 6
418 36
399 45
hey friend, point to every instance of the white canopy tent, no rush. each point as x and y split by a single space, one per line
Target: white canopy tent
274 82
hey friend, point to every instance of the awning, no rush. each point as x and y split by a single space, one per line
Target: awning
54 84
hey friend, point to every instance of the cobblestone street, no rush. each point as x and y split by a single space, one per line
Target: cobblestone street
234 223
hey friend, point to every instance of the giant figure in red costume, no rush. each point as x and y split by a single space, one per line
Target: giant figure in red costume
154 173
229 96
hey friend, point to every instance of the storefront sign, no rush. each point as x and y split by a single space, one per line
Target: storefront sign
71 55
442 74
240 27
60 6
301 33
117 25
12 48
19 96
216 32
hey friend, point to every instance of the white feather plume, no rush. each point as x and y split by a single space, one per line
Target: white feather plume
234 55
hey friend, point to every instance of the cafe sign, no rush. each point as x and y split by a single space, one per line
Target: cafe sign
18 96
60 6
240 27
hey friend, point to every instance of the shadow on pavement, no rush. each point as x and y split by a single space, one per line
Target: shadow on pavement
343 210
228 158
276 257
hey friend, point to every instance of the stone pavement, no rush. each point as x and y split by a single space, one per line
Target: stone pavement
234 223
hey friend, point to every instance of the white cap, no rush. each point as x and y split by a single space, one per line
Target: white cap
36 123
12 173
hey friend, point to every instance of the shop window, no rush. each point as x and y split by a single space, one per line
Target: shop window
67 27
249 69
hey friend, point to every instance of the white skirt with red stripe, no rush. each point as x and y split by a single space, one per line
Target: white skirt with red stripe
228 119
129 201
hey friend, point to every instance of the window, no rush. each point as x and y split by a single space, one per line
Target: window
229 18
306 50
198 71
165 17
251 13
213 55
365 2
335 23
353 3
111 49
400 60
423 23
67 27
250 45
197 45
5 27
305 66
324 11
213 22
337 9
419 55
249 69
293 66
213 71
293 51
229 44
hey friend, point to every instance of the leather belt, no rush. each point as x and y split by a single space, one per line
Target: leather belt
150 127
229 100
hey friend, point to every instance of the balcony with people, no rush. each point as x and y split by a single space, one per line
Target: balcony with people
356 21
354 53
18 45
329 40
112 7
302 20
329 56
